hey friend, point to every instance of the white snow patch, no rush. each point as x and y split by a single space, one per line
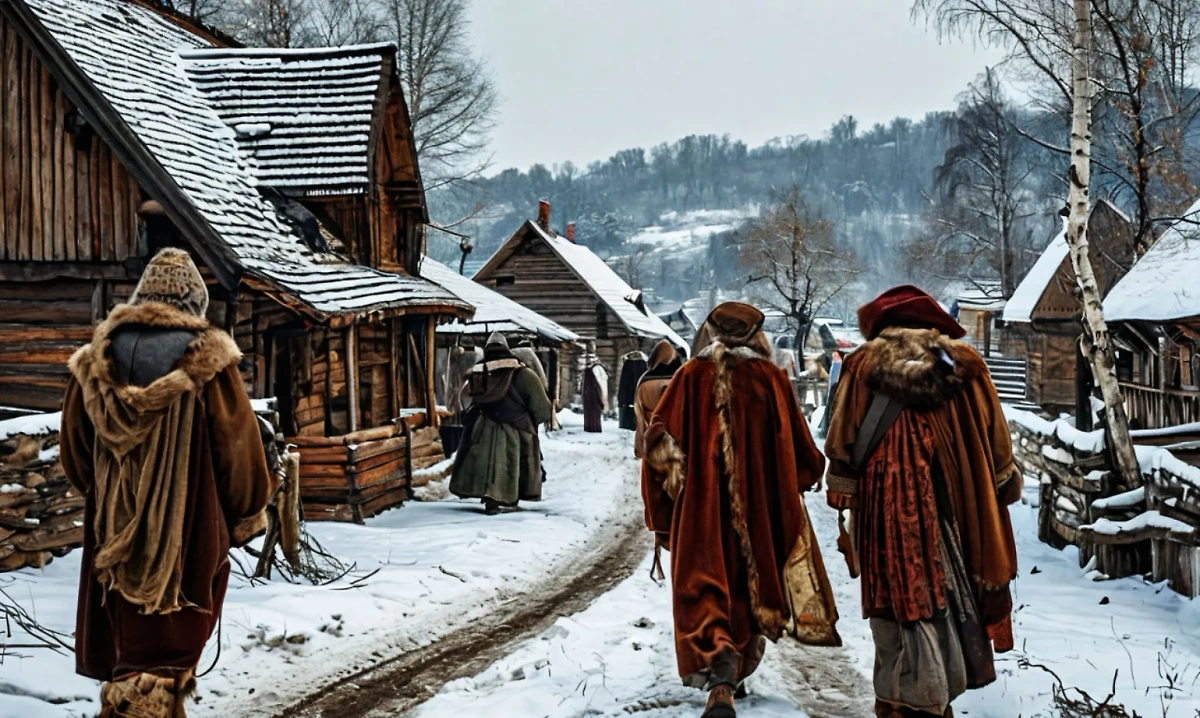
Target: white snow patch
1121 501
1148 519
32 425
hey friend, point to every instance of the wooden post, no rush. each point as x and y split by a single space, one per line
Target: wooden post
352 376
406 348
430 362
393 368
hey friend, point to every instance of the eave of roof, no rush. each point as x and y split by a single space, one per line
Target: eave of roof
494 312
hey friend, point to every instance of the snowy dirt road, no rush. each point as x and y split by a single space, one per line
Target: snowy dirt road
397 684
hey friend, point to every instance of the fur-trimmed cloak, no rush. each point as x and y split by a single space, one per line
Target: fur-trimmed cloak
728 454
173 474
953 434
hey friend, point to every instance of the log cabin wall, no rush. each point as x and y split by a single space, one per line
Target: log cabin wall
536 278
64 196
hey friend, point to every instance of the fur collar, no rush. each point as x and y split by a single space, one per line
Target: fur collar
210 353
758 347
908 365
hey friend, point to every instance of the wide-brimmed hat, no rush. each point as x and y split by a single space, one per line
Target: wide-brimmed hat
906 306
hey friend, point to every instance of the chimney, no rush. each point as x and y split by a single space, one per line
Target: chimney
571 232
543 219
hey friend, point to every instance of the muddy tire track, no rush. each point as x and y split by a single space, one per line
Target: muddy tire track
399 684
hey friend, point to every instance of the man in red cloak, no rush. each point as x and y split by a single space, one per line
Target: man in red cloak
727 455
920 453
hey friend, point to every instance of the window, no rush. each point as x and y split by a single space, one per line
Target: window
505 280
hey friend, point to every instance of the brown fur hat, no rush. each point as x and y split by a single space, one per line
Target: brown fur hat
171 278
734 323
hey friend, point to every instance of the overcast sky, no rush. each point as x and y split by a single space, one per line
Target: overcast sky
581 79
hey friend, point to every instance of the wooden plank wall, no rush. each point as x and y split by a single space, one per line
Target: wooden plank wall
547 286
41 325
60 199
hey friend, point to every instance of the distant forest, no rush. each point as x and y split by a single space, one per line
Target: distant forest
876 186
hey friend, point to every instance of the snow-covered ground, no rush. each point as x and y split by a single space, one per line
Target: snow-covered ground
439 565
690 230
617 657
443 563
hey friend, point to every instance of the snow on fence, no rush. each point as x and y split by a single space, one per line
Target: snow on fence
1152 529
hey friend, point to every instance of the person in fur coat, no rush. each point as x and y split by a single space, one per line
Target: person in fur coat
664 362
929 503
160 438
727 456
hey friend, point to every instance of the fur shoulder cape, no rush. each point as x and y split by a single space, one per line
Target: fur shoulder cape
211 352
920 367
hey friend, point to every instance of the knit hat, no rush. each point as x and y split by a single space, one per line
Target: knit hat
906 306
171 277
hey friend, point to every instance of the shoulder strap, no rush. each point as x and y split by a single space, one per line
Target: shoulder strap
881 415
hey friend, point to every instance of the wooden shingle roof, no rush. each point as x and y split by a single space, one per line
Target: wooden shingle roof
303 119
125 66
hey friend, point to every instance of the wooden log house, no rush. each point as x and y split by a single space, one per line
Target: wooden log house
292 178
495 312
567 282
1154 313
1042 320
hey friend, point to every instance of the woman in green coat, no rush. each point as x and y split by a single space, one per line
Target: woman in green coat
500 460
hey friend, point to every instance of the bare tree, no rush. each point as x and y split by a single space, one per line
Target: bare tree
1096 342
1143 53
206 12
793 262
451 95
335 23
630 265
975 222
271 23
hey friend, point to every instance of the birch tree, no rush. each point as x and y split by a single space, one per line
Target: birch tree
1096 341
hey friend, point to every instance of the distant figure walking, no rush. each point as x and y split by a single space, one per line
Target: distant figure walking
633 366
159 436
594 393
500 459
528 356
920 454
728 454
664 362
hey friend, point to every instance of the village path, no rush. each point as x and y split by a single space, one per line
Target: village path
593 637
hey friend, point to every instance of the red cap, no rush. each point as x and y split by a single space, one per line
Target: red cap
906 306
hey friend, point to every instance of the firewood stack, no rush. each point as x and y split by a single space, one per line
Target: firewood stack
41 515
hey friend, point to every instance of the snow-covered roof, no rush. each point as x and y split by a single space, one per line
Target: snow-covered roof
1029 292
136 59
302 118
983 296
605 283
1162 285
494 312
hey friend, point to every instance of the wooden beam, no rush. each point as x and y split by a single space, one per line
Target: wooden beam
393 367
430 386
352 376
